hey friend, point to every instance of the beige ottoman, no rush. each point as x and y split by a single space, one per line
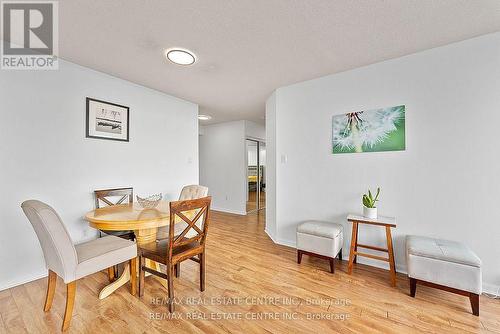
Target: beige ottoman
446 265
320 239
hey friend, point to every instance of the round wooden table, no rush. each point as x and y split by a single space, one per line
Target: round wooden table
124 217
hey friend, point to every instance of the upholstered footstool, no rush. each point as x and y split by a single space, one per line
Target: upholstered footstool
320 239
446 265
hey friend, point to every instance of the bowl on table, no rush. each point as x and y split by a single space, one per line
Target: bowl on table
150 201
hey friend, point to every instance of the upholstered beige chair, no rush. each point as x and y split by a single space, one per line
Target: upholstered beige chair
193 192
71 262
187 193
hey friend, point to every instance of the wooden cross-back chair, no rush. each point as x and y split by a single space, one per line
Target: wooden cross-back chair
109 197
193 191
189 244
126 196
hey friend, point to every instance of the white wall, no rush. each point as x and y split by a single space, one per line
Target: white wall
223 162
45 155
271 167
255 131
446 183
223 165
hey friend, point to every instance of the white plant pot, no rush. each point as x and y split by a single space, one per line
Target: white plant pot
369 212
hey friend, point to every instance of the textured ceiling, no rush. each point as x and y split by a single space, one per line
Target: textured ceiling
248 48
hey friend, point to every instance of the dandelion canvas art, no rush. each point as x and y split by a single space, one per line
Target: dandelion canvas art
369 131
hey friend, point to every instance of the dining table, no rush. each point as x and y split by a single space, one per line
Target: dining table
132 216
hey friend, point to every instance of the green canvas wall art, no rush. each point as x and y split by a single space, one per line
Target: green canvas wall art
369 131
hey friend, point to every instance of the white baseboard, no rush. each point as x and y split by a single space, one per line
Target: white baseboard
282 242
288 243
234 212
492 289
270 236
24 280
487 287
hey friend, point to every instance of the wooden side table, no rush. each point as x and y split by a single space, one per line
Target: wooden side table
386 222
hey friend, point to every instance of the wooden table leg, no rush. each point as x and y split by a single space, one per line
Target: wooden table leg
142 237
122 280
390 249
354 239
145 236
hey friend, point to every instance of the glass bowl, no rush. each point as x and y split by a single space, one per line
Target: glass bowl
150 201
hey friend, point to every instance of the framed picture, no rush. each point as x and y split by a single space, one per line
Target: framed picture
373 130
106 120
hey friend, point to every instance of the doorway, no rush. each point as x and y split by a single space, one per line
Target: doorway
256 175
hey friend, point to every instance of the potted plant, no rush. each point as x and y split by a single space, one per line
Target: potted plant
369 208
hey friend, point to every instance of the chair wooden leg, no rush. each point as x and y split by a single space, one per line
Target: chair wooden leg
474 303
170 281
202 271
332 265
133 276
51 288
413 286
299 256
70 301
111 274
340 254
177 269
141 276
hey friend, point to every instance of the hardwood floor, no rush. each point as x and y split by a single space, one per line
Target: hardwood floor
252 200
247 269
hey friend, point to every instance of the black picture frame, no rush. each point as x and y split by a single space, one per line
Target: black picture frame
88 100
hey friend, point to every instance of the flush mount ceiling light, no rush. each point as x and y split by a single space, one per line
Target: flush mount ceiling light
180 56
204 117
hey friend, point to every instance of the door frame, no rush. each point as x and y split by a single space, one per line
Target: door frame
259 176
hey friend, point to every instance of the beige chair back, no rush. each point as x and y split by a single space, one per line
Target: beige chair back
58 249
193 192
190 192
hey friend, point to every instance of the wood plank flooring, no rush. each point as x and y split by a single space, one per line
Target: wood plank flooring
251 278
252 200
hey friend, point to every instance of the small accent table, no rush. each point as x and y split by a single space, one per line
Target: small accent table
386 222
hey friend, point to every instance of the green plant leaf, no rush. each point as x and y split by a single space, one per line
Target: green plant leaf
366 201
